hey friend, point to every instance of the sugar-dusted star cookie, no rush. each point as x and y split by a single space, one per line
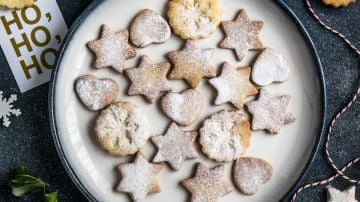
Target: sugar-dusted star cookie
112 49
149 79
347 195
208 184
175 146
242 35
233 85
192 64
269 112
138 179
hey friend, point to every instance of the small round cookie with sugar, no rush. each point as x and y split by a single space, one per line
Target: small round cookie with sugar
122 129
194 19
225 136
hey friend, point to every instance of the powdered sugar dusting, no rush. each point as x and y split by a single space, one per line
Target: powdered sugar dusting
149 27
250 173
96 93
122 129
183 108
270 67
221 138
139 178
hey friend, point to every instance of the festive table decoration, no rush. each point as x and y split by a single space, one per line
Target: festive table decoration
6 108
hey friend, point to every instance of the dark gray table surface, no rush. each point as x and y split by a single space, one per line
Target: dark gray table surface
29 142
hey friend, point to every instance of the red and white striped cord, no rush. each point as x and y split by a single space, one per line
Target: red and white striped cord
339 172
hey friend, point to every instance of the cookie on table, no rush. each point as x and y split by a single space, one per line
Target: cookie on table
347 195
269 112
149 79
122 129
270 66
251 173
183 108
112 49
194 19
338 3
96 94
233 85
242 35
192 64
175 146
225 136
208 185
149 27
139 178
16 4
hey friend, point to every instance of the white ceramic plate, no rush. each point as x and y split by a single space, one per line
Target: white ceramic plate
289 152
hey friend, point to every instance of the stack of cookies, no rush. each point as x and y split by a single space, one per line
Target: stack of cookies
122 129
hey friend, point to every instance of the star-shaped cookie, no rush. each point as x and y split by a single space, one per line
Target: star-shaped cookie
112 49
269 112
242 35
149 79
233 85
208 184
138 179
192 64
175 146
347 195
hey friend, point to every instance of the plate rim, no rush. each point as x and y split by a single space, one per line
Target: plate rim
85 13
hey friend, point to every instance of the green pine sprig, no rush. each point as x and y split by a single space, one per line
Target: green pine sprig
23 183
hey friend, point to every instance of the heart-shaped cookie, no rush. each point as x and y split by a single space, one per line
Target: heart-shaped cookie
250 173
149 27
95 93
270 67
183 108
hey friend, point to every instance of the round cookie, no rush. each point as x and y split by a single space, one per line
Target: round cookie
122 129
250 173
225 136
194 19
149 27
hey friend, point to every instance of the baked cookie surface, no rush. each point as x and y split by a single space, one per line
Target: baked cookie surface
269 112
149 27
208 185
138 178
242 35
149 79
233 85
95 93
194 19
225 136
192 64
112 49
122 129
250 173
175 146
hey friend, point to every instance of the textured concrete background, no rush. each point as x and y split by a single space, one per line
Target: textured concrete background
28 141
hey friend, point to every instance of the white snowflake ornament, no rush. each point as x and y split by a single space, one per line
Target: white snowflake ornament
6 108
